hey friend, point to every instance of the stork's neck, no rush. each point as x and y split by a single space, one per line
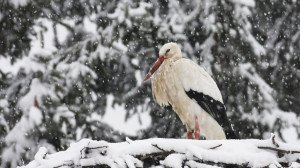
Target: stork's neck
165 66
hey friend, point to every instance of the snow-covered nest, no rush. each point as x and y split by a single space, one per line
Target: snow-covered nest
175 153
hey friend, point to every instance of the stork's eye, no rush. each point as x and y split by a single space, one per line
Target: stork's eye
167 51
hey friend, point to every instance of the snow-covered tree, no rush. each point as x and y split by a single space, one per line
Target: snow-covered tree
62 62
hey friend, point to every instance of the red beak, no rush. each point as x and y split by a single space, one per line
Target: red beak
156 65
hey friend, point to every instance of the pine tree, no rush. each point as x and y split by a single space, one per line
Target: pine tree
79 53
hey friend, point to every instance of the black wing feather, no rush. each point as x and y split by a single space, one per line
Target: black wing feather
216 109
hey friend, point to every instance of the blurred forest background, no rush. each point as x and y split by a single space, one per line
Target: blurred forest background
69 69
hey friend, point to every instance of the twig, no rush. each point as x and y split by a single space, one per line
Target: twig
65 25
143 156
45 155
70 28
97 147
96 166
278 150
274 142
83 149
184 163
168 152
88 148
154 154
155 145
216 146
128 140
66 164
220 164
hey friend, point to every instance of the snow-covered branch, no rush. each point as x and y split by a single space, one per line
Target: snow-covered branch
172 153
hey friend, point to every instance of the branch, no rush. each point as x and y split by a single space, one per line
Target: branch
166 153
155 145
281 152
274 142
146 153
154 154
215 146
128 140
55 19
88 148
64 24
71 164
184 163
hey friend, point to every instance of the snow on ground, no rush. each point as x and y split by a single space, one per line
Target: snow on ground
172 152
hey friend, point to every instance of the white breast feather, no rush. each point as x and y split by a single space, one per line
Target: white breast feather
160 85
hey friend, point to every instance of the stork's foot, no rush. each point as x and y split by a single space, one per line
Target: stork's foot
197 129
190 135
195 132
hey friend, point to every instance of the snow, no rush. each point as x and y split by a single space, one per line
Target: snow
140 11
71 155
5 65
295 165
120 46
29 62
289 135
138 77
27 122
247 70
74 69
128 154
177 28
250 3
37 89
18 3
115 117
135 61
289 119
171 24
90 26
174 160
64 112
62 33
207 53
17 140
256 47
48 33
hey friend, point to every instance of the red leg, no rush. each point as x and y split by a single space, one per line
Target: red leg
197 129
190 135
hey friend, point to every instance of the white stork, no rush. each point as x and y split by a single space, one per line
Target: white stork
192 93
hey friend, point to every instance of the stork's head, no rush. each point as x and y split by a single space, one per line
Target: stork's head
170 50
167 51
